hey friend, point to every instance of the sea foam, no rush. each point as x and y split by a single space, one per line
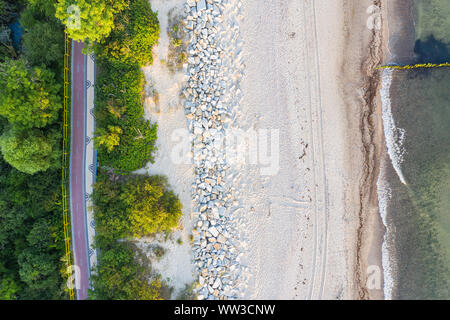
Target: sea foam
394 141
384 195
394 136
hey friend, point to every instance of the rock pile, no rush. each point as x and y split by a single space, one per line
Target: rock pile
212 98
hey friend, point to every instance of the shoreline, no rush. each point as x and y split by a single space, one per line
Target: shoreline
398 48
396 44
364 120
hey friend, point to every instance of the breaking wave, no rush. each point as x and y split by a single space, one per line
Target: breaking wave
384 195
394 136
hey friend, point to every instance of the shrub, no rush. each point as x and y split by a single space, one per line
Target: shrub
122 275
118 104
135 32
159 251
96 18
31 151
135 206
28 97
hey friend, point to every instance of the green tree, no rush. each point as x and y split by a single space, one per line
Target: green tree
39 271
28 98
136 31
137 206
43 40
123 275
108 138
8 289
111 217
137 144
40 236
44 8
31 151
89 20
42 45
153 208
31 235
29 218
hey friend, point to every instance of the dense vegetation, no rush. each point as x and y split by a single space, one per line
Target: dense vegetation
130 207
125 140
31 151
31 240
135 32
29 95
124 273
134 206
118 106
96 17
126 207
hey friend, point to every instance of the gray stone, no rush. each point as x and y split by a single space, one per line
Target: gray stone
201 5
213 231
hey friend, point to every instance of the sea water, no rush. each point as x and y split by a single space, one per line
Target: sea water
414 184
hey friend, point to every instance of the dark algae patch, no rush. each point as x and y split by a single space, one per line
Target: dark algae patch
431 51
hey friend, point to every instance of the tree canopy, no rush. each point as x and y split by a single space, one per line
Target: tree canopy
8 289
89 20
108 138
118 103
123 275
31 151
153 208
38 270
43 39
31 237
31 229
137 206
28 96
136 31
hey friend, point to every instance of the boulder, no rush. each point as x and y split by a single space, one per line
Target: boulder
201 5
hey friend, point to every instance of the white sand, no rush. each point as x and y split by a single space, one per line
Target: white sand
292 253
297 227
175 266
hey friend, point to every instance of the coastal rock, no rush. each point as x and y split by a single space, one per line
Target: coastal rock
201 5
210 104
213 231
221 238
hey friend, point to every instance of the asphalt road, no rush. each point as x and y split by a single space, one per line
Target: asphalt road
77 156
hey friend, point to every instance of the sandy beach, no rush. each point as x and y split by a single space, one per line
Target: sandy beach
175 266
309 237
309 227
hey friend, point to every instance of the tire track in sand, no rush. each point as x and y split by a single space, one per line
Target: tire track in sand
317 281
